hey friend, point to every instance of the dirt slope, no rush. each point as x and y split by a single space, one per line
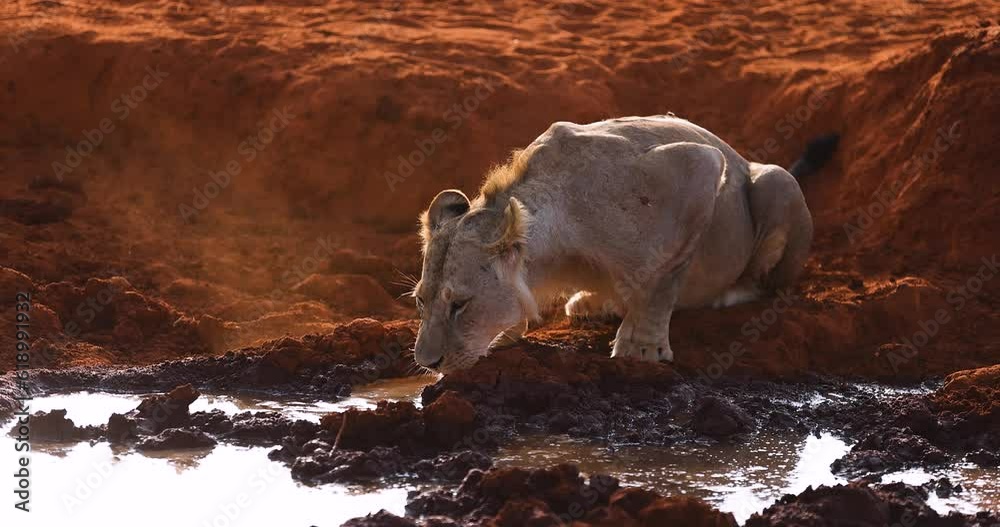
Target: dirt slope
338 121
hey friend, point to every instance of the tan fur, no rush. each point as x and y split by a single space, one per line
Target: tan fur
644 214
515 228
425 230
502 177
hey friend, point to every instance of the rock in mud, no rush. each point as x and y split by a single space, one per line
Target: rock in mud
890 450
121 428
717 417
860 505
262 428
449 418
161 411
391 440
391 423
683 510
548 389
55 426
451 466
555 496
8 390
176 439
333 466
942 487
381 518
984 459
960 419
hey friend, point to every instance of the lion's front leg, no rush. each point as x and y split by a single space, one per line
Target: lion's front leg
645 330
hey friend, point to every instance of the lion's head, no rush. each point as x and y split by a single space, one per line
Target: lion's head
472 286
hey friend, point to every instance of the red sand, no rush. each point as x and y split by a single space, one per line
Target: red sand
308 233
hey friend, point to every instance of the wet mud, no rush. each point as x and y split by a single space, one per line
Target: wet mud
328 365
448 444
861 504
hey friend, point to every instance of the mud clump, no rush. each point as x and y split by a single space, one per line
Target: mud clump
54 426
859 504
326 365
392 440
159 412
548 389
176 439
889 450
164 421
962 418
449 418
392 423
720 418
452 466
552 496
969 407
8 391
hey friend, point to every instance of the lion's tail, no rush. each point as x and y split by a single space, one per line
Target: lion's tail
818 153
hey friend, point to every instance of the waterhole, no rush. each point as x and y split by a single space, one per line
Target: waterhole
741 478
227 486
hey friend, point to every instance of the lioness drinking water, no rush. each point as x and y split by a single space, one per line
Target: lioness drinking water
633 217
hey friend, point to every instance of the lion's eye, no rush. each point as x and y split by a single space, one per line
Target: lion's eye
457 307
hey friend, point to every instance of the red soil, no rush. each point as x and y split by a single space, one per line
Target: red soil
973 398
310 232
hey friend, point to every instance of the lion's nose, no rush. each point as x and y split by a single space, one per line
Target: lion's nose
426 361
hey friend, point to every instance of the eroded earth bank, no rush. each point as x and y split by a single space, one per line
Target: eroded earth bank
221 197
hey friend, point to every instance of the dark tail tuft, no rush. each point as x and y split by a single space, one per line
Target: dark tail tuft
818 153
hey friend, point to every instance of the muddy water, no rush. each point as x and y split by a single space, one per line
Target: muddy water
84 484
235 486
740 478
93 408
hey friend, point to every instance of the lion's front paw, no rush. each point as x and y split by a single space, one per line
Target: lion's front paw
643 350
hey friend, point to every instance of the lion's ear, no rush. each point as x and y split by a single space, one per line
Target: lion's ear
446 205
513 229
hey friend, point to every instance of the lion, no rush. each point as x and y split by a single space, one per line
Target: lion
631 217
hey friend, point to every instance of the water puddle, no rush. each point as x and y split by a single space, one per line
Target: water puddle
94 408
739 478
97 484
84 484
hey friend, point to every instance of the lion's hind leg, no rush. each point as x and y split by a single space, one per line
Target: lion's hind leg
591 305
782 229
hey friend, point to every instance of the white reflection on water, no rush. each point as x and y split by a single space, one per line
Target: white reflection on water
225 486
229 486
740 478
94 408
